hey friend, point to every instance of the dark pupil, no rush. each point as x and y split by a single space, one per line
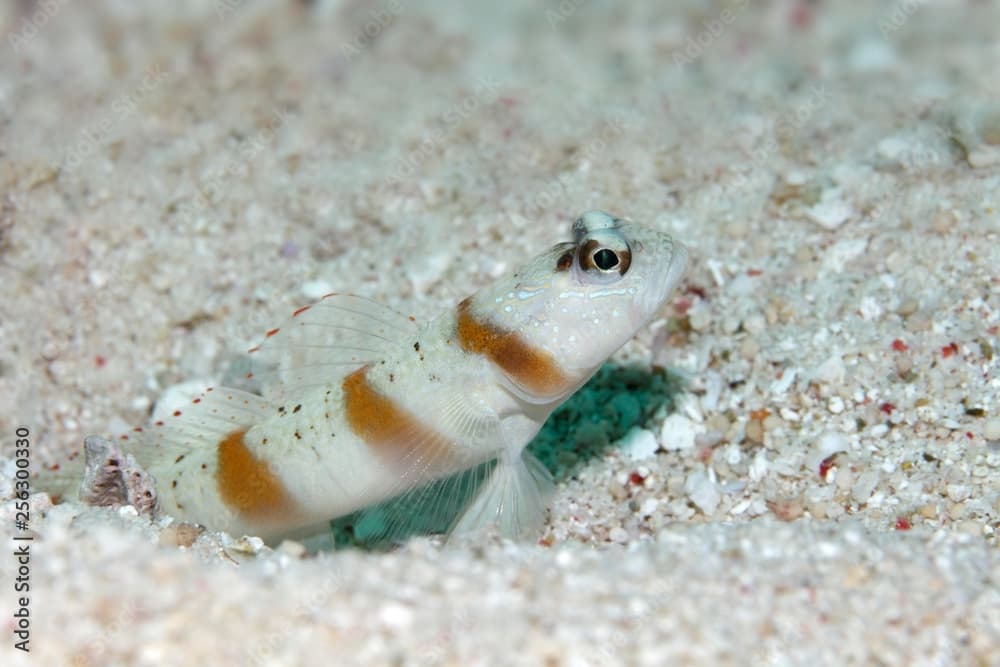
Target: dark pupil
605 259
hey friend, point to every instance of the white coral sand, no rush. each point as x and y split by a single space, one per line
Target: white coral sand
176 179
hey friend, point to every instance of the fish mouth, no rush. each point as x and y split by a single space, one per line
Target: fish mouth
678 261
678 264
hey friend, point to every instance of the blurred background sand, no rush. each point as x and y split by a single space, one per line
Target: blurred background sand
176 179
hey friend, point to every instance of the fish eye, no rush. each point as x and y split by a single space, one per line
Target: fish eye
597 257
605 259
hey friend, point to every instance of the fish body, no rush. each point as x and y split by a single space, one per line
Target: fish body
367 404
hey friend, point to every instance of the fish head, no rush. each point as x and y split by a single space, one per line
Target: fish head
582 300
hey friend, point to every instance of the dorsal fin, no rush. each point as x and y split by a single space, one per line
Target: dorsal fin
324 342
209 417
199 421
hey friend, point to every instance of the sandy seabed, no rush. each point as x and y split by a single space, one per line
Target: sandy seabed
825 490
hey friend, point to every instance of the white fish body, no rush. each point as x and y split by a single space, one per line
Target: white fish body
369 404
